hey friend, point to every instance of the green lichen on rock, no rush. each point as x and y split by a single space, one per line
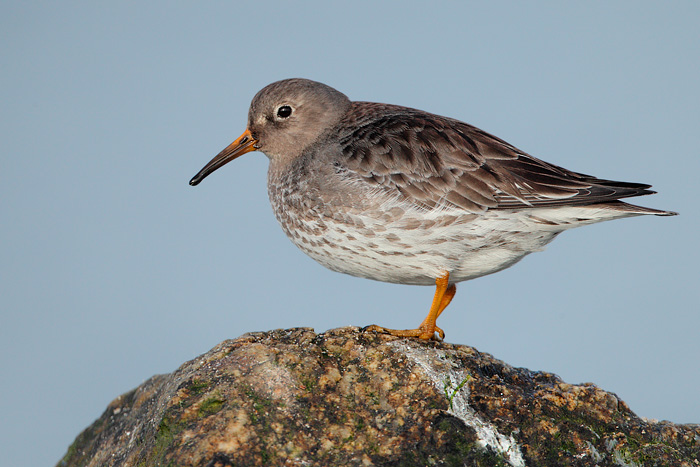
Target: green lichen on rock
197 386
346 397
211 405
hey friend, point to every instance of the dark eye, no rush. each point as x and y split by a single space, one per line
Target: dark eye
284 112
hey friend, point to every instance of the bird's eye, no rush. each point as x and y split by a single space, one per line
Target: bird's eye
284 112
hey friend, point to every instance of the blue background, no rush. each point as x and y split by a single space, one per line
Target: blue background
113 269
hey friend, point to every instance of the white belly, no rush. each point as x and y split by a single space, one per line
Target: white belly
396 243
412 251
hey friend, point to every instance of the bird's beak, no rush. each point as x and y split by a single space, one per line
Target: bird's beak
245 143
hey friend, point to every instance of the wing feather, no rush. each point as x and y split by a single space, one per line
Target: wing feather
433 161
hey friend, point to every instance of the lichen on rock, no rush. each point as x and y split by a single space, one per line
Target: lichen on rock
352 398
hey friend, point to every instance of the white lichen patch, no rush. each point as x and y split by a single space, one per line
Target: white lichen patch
620 458
447 379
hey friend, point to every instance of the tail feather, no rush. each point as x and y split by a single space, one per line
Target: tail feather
632 209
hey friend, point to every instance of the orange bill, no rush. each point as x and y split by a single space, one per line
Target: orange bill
245 143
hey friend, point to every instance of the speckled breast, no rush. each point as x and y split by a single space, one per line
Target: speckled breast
388 242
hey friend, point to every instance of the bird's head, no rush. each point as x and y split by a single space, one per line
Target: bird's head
284 118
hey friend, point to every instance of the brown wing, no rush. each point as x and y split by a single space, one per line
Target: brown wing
430 160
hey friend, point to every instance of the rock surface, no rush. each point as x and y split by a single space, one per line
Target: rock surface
346 397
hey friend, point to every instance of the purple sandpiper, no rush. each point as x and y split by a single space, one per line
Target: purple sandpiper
400 195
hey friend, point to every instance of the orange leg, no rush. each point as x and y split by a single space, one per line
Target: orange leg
446 299
444 292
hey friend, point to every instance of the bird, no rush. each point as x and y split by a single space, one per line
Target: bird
400 195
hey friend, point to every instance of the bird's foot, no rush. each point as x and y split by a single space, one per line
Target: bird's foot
423 332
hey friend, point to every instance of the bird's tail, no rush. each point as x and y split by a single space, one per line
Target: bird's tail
632 209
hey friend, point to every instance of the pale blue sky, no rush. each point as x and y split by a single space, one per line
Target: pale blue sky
113 269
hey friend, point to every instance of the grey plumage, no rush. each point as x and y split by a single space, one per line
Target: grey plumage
401 195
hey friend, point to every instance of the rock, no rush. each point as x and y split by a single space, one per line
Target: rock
352 398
